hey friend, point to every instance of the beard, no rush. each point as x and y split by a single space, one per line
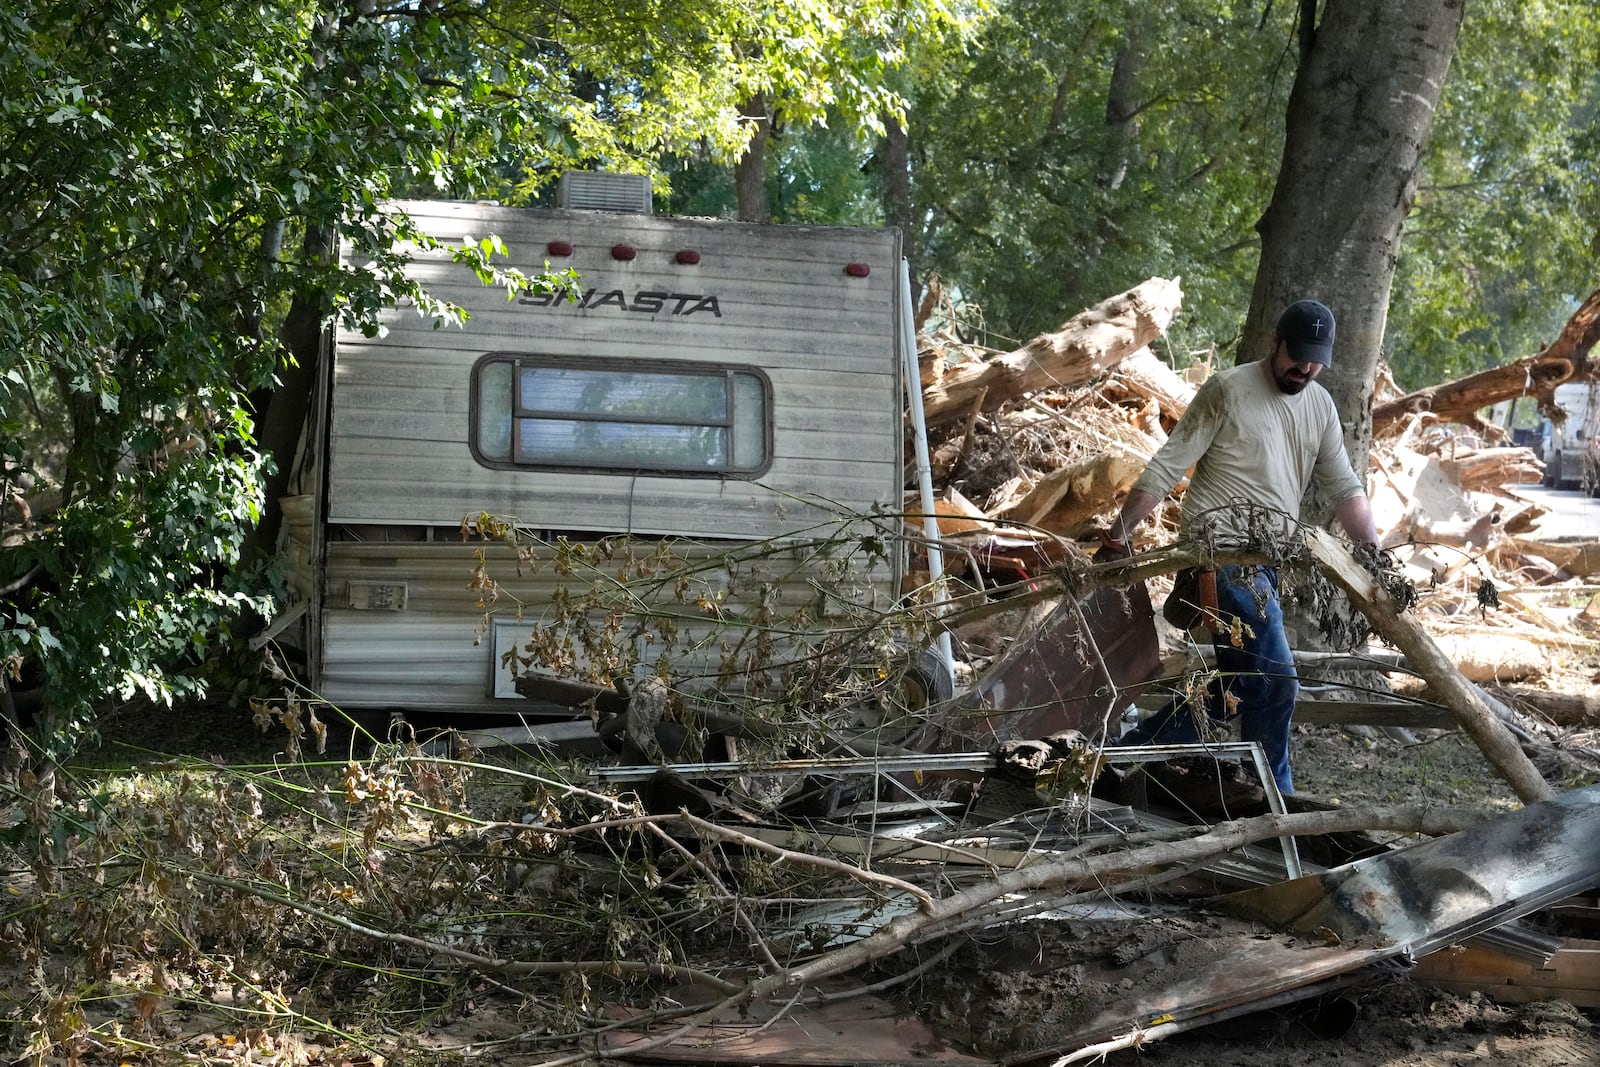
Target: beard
1291 381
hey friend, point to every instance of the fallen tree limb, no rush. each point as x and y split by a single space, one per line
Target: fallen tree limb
1087 346
490 964
1538 375
1459 401
1113 867
1468 703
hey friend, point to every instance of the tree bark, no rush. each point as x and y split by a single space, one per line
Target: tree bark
1359 114
895 151
1122 106
285 408
750 171
1085 348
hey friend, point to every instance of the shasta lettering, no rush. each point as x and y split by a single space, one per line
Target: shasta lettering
644 302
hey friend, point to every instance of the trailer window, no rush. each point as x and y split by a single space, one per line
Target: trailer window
621 415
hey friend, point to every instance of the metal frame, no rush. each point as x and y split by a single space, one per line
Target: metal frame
1253 749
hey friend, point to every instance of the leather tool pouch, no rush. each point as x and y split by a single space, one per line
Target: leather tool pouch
1192 603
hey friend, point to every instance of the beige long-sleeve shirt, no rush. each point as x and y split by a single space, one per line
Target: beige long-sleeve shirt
1250 443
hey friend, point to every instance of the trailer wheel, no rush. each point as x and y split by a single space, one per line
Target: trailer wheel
924 681
916 683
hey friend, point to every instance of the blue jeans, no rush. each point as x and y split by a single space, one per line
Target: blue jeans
1259 675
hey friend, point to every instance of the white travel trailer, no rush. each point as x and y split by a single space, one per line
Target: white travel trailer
717 382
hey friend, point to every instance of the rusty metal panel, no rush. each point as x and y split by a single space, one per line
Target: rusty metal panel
1082 665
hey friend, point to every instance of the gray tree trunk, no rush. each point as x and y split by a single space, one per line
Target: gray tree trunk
1363 101
1122 108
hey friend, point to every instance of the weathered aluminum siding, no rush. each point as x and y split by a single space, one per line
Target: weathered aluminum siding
439 651
399 452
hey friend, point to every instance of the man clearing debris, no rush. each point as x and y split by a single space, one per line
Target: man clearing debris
1258 435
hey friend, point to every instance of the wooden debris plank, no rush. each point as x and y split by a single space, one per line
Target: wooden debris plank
1572 974
1375 713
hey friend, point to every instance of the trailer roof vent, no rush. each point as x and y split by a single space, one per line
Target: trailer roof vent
599 191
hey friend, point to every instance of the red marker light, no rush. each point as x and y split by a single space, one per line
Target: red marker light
623 252
688 257
857 270
559 248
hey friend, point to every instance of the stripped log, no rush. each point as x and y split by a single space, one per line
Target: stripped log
1489 469
1086 347
1466 701
1563 709
1064 500
1144 374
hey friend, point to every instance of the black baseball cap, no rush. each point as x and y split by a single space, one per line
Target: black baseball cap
1306 326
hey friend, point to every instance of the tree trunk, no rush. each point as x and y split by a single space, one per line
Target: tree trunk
1085 348
1122 107
895 151
750 171
284 410
1359 114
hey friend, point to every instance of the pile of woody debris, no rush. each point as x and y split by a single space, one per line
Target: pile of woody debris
1031 450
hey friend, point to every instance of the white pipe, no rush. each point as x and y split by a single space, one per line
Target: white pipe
919 434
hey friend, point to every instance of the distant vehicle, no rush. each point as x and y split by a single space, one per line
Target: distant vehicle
1567 457
1531 438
